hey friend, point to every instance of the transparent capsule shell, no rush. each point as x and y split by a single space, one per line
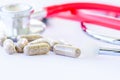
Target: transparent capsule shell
66 50
40 40
30 37
54 42
37 49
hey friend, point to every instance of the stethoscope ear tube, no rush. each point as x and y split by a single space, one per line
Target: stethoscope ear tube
103 50
89 18
81 16
109 51
75 6
98 36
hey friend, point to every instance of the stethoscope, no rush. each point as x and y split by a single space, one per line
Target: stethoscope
84 13
78 15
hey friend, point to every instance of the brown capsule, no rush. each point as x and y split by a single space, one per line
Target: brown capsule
21 44
9 46
42 40
66 50
30 37
37 49
2 39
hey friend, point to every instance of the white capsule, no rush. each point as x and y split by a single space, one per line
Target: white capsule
9 46
30 37
54 42
66 50
57 42
37 49
21 43
40 40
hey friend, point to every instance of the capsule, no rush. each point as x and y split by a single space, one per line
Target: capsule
40 40
59 42
9 46
2 39
43 40
37 49
21 44
66 50
30 37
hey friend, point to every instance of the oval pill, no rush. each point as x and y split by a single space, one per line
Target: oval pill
2 39
30 37
37 49
9 46
66 50
21 43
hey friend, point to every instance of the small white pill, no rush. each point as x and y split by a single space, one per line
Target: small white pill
2 39
21 43
9 46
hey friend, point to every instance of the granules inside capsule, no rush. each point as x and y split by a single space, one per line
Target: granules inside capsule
30 37
37 49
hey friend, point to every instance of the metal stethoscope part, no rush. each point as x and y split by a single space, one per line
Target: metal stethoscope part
107 21
107 39
110 51
18 21
104 38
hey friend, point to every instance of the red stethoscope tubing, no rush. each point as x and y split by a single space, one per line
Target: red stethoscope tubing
113 23
70 6
94 19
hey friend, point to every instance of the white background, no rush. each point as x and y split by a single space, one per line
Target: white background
53 67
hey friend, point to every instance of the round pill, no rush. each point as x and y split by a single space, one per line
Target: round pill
9 46
21 44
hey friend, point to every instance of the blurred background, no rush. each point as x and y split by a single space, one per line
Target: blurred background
71 30
41 3
54 67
